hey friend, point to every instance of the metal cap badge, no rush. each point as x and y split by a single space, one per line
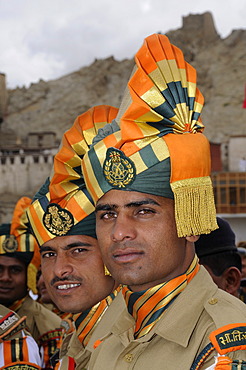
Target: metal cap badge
58 220
10 244
119 170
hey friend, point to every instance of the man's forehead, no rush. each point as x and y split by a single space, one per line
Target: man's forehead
10 261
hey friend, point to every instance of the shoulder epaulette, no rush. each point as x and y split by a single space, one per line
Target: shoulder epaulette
229 338
50 335
10 324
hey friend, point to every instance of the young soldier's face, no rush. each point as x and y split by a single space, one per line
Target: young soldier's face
138 238
13 280
73 272
42 290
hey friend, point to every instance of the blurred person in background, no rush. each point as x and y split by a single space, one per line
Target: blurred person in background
19 261
218 253
17 347
241 247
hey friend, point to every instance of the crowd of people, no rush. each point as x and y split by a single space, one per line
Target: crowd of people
119 261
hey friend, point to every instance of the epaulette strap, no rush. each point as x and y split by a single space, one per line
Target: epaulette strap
50 335
199 360
11 324
229 338
50 342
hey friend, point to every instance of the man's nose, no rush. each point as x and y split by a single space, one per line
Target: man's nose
62 266
123 228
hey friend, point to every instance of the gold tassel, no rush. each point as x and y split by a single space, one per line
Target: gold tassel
106 271
32 278
195 212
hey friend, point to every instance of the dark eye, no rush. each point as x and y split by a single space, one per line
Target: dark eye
80 250
16 270
109 215
48 254
146 211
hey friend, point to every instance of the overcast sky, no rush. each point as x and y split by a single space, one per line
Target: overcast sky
46 39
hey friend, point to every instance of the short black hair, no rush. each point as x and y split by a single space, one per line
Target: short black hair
219 262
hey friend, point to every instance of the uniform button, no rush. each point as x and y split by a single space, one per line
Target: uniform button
213 301
128 357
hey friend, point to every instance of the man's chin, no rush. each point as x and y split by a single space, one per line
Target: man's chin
65 308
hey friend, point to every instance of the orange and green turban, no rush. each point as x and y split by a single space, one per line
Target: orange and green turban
63 206
18 242
160 148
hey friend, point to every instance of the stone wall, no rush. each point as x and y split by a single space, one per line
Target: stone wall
21 175
237 154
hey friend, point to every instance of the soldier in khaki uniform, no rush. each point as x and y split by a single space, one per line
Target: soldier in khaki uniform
150 181
19 261
17 347
63 222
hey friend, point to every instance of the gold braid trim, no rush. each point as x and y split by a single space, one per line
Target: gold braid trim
195 211
32 278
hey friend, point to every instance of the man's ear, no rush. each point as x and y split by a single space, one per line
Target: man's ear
192 238
232 277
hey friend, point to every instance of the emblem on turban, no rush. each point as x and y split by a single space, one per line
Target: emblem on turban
58 220
119 170
10 244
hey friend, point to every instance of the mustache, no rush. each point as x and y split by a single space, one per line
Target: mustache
56 279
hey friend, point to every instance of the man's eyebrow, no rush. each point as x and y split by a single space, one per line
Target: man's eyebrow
137 203
10 266
77 244
105 207
67 247
45 248
143 202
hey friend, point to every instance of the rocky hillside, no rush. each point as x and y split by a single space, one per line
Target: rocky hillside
221 67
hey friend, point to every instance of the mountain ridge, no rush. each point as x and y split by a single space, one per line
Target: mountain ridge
220 63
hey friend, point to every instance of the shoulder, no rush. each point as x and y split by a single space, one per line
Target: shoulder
229 316
225 309
47 323
206 298
14 340
41 312
11 324
226 324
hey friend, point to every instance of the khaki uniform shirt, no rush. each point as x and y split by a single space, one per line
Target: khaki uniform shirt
39 319
44 326
178 337
72 347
